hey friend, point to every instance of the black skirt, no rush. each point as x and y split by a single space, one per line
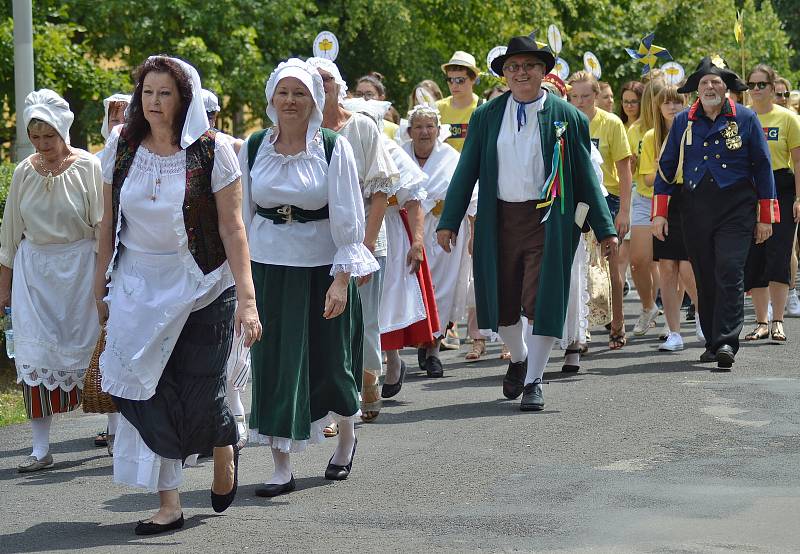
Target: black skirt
673 247
770 261
189 413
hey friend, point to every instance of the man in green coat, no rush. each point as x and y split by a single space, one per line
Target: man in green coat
531 152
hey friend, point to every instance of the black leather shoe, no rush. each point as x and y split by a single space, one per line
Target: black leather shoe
514 379
388 391
268 491
422 354
707 357
220 502
433 366
532 397
151 528
725 357
340 473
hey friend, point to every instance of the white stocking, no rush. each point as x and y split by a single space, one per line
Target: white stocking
40 428
512 336
347 438
113 421
539 348
283 468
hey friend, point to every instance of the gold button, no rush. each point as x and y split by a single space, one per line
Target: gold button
705 144
705 157
717 156
724 166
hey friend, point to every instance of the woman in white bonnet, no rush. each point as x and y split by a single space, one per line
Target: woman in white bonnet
47 244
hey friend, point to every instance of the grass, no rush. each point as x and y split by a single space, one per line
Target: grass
12 407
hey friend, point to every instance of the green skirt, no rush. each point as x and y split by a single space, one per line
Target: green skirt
305 368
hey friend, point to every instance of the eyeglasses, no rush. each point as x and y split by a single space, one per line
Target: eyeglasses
784 95
527 66
760 85
456 80
369 95
630 102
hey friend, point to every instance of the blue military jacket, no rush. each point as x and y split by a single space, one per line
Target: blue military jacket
731 149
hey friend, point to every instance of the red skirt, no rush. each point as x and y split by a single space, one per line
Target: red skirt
422 331
40 402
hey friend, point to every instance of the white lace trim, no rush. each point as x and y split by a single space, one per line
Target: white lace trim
65 379
381 184
354 258
577 333
293 446
153 164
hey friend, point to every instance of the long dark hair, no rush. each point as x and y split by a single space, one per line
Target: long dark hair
635 87
136 127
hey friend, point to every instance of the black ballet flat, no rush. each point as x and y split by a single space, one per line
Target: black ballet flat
388 390
270 490
220 502
150 528
340 473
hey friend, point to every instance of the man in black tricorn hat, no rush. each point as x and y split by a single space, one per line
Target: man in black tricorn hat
716 163
531 152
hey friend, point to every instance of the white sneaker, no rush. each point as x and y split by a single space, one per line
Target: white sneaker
664 332
646 321
673 343
793 304
698 331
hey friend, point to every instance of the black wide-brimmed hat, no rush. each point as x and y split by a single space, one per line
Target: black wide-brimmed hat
715 66
524 45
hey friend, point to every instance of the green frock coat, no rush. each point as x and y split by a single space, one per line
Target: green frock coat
479 162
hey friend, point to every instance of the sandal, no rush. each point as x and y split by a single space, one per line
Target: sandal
505 354
616 338
101 439
777 331
478 350
370 397
758 333
331 429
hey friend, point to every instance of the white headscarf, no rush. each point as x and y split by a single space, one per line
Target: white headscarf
126 98
375 109
46 105
196 120
327 65
210 101
310 77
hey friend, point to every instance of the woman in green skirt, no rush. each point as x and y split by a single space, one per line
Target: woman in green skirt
305 219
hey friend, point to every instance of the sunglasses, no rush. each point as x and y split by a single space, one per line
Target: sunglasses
783 94
760 85
456 80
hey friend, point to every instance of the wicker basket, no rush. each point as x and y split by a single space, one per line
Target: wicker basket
95 401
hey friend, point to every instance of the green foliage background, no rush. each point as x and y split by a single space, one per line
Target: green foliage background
86 50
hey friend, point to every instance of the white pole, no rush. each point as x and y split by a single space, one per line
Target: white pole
23 70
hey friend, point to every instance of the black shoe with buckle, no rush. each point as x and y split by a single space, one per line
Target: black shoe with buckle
532 397
514 379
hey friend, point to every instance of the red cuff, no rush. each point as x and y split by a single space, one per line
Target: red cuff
660 205
768 211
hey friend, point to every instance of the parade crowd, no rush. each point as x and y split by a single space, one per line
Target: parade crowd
301 260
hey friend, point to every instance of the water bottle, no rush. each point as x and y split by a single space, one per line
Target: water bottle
9 332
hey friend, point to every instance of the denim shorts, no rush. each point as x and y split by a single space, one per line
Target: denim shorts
640 210
613 205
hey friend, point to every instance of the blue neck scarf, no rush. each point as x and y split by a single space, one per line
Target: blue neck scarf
522 116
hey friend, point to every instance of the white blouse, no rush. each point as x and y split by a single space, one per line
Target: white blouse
306 181
67 211
376 169
520 165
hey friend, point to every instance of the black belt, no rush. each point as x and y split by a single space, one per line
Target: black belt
286 214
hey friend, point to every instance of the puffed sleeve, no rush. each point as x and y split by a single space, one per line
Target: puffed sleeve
13 227
412 178
380 172
108 155
248 206
226 165
346 213
94 196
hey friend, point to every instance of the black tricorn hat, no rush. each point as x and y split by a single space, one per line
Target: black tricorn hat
525 45
715 66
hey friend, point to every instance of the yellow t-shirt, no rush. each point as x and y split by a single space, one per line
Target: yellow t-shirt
458 119
608 134
782 131
390 128
635 133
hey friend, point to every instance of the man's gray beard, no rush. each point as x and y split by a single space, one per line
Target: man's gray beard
711 103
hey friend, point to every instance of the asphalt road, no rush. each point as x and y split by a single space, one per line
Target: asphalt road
640 452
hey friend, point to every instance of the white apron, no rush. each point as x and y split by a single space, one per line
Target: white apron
401 304
54 314
449 272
